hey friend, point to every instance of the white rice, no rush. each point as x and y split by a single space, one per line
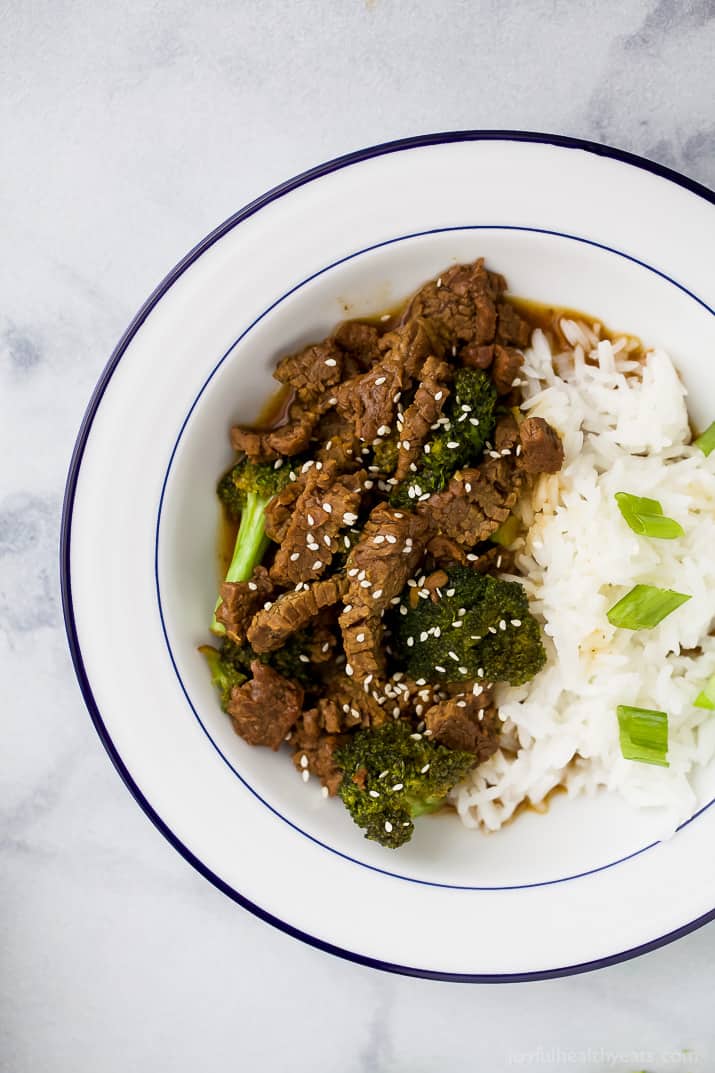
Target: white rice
620 434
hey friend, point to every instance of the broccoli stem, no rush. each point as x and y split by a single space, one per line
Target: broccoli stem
249 549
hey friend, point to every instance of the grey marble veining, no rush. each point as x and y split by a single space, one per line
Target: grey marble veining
127 133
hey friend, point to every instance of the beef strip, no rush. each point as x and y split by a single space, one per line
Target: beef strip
495 560
292 611
240 600
445 552
351 703
279 510
360 341
461 306
390 547
423 411
466 722
478 500
326 505
511 329
265 708
476 356
367 402
411 344
315 749
337 441
541 447
506 366
312 371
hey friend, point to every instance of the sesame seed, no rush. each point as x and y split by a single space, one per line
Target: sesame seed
347 608
292 476
452 445
492 629
385 316
424 770
360 638
332 400
365 584
499 561
349 518
305 775
384 430
326 540
379 539
383 774
516 622
352 571
406 444
348 670
423 636
324 791
439 282
278 463
438 396
426 449
396 397
517 452
377 594
388 826
463 670
268 605
312 546
252 586
295 556
303 658
326 507
398 786
502 624
410 642
474 421
331 362
506 451
311 520
424 497
317 564
368 485
380 380
304 760
403 610
467 487
440 669
390 538
346 541
373 793
318 465
480 672
395 601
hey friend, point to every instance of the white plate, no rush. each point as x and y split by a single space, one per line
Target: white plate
567 222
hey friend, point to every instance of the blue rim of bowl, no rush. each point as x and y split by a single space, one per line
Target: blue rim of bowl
321 170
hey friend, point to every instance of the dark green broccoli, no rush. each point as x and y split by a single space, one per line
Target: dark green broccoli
481 627
245 491
384 454
226 669
468 422
391 776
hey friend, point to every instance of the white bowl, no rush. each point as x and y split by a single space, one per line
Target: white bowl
569 223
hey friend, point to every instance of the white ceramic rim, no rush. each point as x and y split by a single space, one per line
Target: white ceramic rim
70 494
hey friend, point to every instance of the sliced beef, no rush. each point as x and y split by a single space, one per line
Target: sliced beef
360 341
280 509
336 440
292 611
265 708
461 306
465 722
495 560
505 368
511 329
240 600
368 402
423 411
290 438
411 344
446 552
477 501
325 506
312 371
541 447
390 547
315 751
476 355
352 704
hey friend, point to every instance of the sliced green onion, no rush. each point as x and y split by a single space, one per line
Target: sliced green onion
706 442
643 734
706 696
644 607
645 517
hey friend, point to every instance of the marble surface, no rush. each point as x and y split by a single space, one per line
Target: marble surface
127 133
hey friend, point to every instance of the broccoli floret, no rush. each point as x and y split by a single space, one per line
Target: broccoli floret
245 491
226 669
497 638
459 441
389 779
385 454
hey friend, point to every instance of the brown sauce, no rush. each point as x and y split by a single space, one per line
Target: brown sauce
548 318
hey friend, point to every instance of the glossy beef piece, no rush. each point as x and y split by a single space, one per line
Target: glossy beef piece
505 368
290 438
350 705
336 440
495 560
465 722
240 600
390 547
312 371
293 611
367 402
265 708
511 329
411 344
461 306
430 397
314 751
327 504
361 342
446 552
280 509
541 447
476 355
475 502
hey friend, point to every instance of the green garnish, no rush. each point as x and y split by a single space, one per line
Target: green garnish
706 442
645 517
643 734
507 532
644 607
706 696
